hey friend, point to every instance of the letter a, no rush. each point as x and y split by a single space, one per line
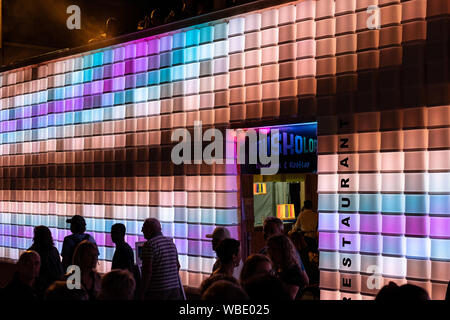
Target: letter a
73 21
373 21
374 280
74 280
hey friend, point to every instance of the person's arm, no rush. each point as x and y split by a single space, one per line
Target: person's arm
58 263
292 289
146 276
65 256
304 277
298 223
146 269
130 260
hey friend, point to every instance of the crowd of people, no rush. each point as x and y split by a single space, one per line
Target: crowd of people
277 272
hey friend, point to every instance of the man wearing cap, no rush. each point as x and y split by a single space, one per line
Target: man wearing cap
219 234
78 229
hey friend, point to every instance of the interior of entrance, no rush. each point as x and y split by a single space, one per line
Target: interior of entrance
280 195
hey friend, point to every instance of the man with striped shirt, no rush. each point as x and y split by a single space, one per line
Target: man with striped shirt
160 265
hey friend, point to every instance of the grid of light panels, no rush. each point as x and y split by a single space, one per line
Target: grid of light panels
90 134
384 176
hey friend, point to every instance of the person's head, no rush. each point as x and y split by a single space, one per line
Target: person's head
29 265
42 239
118 231
86 255
272 226
388 292
219 234
77 224
308 204
224 290
229 252
254 265
214 278
281 251
266 287
117 285
412 292
151 227
58 290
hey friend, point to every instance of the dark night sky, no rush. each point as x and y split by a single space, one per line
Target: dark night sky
43 22
33 27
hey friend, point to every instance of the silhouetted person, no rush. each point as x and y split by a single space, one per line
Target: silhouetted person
255 265
213 278
229 254
224 290
271 226
266 287
58 291
413 293
78 229
160 265
219 234
388 292
86 258
117 285
123 257
284 257
51 266
307 223
22 286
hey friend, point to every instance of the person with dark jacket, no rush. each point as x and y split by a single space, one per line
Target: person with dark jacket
51 267
23 286
78 229
284 257
123 257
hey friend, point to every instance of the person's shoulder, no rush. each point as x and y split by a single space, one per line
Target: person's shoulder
294 268
69 240
263 250
89 238
147 244
160 238
127 246
97 276
54 250
69 237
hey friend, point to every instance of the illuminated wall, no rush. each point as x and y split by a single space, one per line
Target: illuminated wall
384 151
90 134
